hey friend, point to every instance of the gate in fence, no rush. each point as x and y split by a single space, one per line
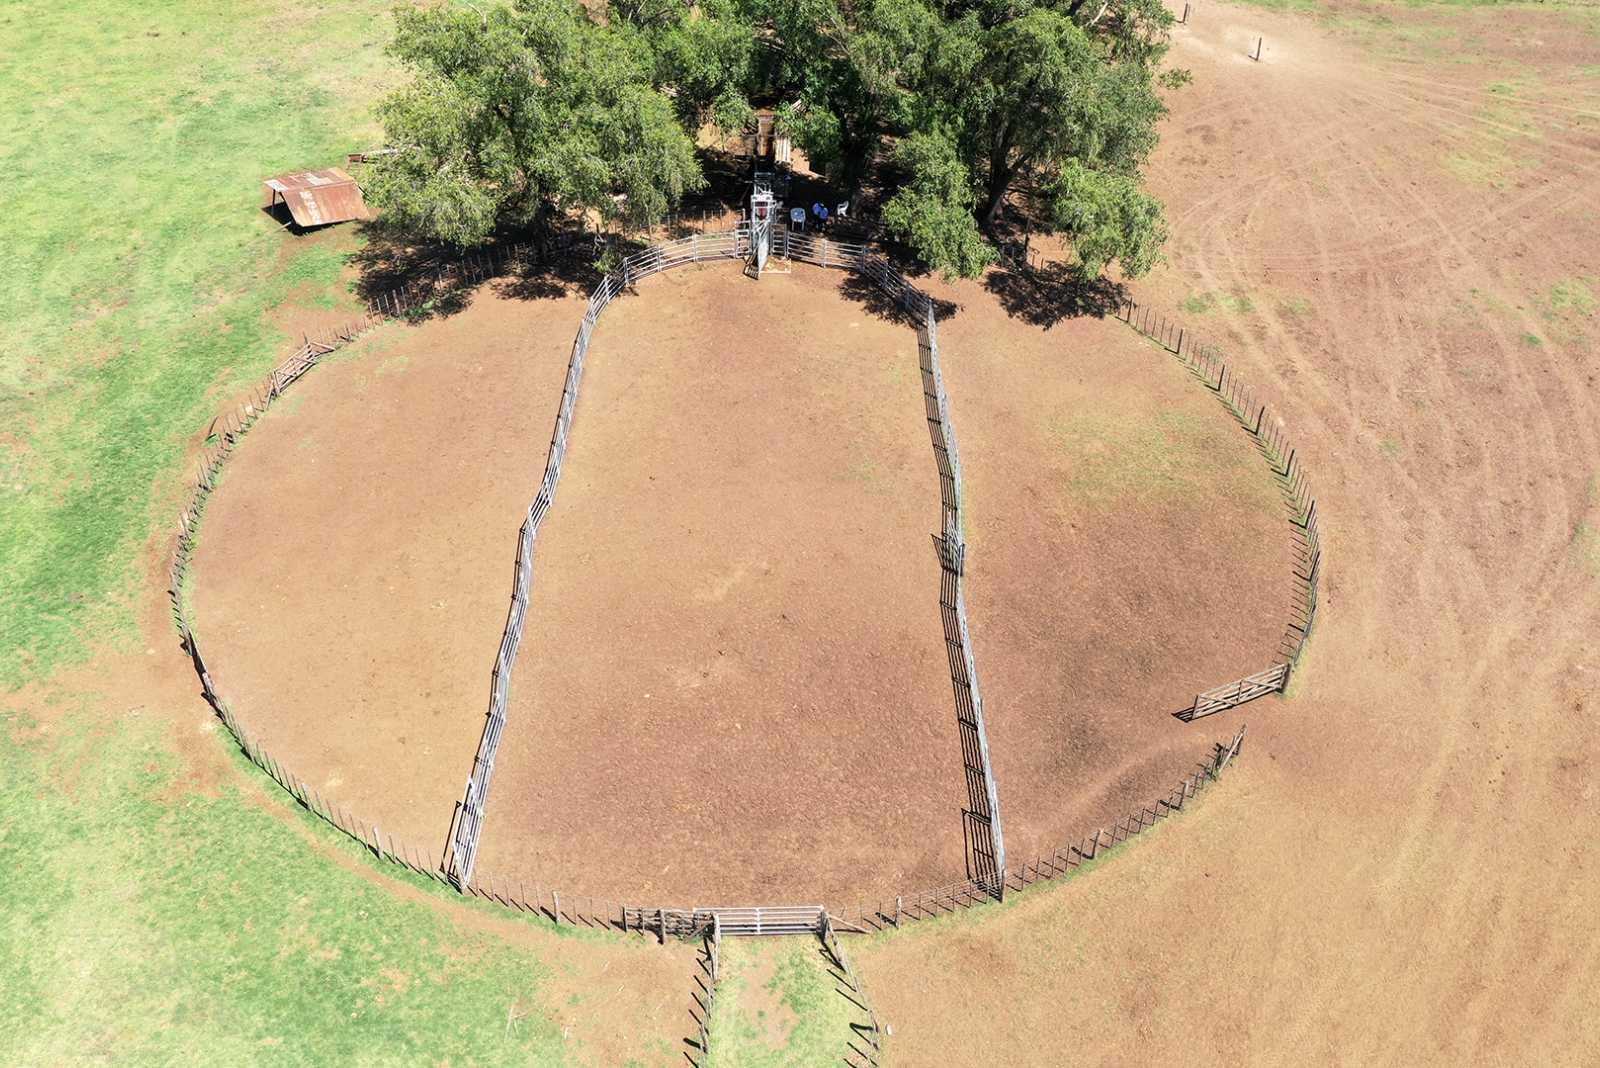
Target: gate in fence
1222 698
732 922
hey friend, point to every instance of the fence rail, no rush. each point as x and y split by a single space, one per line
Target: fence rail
466 827
711 966
458 865
1252 413
947 899
870 1034
981 824
227 430
1233 694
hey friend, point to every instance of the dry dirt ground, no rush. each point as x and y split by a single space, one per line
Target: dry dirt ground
1390 223
733 686
770 480
1128 547
353 572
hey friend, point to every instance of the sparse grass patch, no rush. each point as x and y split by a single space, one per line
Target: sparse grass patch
1586 547
1482 166
1178 453
1585 542
1202 303
777 1007
1574 295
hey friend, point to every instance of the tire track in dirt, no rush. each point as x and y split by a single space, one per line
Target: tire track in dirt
1433 831
1399 874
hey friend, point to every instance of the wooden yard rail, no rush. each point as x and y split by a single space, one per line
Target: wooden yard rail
1234 694
1254 416
466 827
871 1033
766 920
705 1001
224 434
458 867
982 825
982 828
933 903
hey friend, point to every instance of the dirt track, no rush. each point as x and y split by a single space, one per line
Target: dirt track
1393 226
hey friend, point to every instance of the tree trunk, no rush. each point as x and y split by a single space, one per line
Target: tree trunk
1000 175
999 182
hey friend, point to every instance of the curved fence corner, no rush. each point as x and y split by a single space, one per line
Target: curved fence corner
223 436
1206 364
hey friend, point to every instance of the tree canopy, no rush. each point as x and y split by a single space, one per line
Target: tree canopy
514 110
534 106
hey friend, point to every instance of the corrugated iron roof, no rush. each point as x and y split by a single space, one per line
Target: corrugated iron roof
317 198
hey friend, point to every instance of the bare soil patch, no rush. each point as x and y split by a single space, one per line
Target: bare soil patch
351 580
1128 547
733 684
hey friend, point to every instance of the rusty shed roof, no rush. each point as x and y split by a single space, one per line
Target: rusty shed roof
316 198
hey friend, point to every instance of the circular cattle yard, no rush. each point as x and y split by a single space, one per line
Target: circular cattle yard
734 684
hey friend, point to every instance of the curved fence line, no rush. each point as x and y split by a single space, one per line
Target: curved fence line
1206 364
224 434
988 884
946 899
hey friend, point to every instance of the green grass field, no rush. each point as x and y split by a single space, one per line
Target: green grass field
140 272
777 1007
143 921
140 931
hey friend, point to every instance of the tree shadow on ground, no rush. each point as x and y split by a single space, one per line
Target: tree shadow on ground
865 291
1044 296
420 281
